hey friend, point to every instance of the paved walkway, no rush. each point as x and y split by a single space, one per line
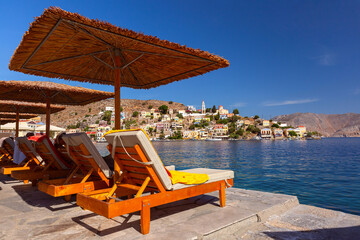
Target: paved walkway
27 213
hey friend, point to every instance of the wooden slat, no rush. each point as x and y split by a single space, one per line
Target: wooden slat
127 157
136 169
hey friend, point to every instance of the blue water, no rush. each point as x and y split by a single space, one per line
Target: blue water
324 173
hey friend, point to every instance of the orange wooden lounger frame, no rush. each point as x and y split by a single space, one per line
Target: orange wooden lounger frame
29 162
5 158
48 168
90 179
6 152
137 178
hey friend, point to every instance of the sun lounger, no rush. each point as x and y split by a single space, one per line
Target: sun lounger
6 151
26 164
143 171
90 173
41 149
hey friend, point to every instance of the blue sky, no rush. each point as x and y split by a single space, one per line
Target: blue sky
285 56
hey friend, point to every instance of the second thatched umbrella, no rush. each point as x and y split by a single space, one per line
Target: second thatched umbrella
60 44
49 93
23 107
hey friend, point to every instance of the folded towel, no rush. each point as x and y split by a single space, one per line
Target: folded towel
188 178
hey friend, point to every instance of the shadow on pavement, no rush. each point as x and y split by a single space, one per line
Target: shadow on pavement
132 220
32 196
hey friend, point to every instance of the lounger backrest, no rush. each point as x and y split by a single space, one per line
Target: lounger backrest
85 154
46 150
132 138
2 150
28 150
8 145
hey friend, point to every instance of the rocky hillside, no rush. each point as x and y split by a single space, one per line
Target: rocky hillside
89 113
330 125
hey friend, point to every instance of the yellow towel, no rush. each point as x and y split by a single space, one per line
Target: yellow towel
188 178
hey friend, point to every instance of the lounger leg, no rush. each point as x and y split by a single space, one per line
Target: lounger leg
34 182
222 195
67 198
145 217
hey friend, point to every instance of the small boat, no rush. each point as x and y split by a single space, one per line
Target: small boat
213 139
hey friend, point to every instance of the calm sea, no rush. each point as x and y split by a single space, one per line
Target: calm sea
324 173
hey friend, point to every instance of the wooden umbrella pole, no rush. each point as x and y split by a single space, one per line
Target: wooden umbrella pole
117 104
48 117
117 90
17 123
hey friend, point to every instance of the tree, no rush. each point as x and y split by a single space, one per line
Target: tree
163 109
208 110
234 135
211 118
192 127
150 107
256 117
292 134
135 114
240 132
89 109
107 116
235 111
170 102
214 109
176 135
97 122
179 115
217 117
275 125
253 129
151 130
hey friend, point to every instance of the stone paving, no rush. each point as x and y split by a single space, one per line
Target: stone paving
27 213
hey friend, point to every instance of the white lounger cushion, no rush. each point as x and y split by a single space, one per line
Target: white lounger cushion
214 175
132 138
75 139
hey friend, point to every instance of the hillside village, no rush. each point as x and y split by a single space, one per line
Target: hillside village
173 121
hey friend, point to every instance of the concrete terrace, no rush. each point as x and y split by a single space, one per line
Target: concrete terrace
27 213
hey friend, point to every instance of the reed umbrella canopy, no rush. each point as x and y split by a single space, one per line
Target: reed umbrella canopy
12 115
6 120
60 44
23 107
49 93
62 94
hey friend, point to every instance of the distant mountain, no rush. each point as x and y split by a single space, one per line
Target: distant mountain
330 125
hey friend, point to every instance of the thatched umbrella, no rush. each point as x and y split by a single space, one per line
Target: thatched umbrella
7 117
11 115
23 107
6 120
60 44
49 93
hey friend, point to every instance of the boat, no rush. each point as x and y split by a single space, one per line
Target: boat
213 139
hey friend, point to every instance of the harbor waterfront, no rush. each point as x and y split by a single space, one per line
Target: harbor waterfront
322 173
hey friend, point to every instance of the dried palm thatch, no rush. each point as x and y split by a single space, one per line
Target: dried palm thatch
31 91
60 44
12 115
23 107
6 120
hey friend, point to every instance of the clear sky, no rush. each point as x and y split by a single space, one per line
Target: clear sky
285 56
